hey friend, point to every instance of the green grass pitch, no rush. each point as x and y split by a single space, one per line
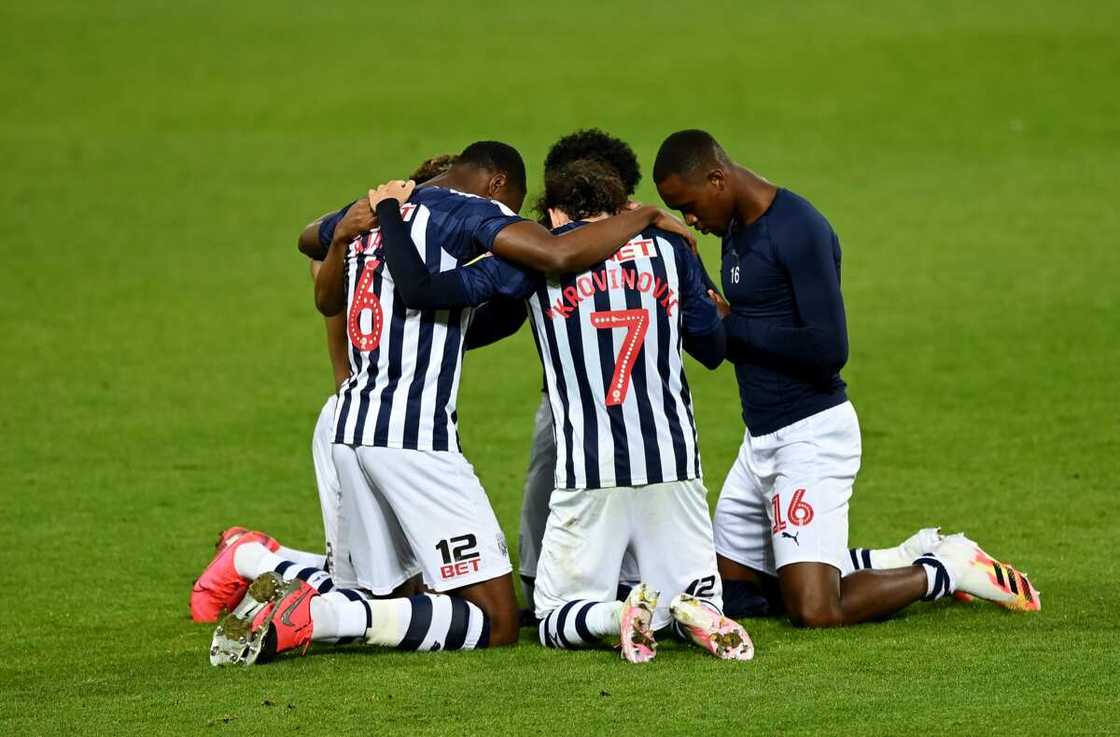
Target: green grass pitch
163 364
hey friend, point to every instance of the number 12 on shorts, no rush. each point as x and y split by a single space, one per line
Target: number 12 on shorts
800 512
460 556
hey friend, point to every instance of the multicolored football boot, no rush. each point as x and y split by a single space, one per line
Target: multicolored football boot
980 575
707 627
636 625
274 617
221 587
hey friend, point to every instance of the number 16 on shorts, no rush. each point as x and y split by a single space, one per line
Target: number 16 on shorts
799 513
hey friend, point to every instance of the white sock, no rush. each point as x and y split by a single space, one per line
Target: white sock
604 619
253 559
302 558
336 616
866 559
888 558
391 618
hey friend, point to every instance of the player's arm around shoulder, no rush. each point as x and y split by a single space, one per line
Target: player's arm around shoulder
330 289
469 285
315 238
532 245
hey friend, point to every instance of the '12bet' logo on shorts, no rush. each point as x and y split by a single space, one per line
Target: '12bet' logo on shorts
460 556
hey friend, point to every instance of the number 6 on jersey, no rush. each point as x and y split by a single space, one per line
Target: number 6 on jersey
363 324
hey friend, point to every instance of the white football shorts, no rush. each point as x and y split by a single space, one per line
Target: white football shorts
786 498
326 478
430 514
539 482
665 526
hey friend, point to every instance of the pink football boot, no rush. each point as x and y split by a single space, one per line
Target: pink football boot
274 617
725 638
220 587
636 625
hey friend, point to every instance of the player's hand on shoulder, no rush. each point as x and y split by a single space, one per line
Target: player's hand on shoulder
671 223
397 189
359 219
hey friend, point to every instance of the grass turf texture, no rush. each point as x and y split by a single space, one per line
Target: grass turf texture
163 364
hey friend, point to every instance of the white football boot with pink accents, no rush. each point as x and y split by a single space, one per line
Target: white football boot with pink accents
707 627
984 577
636 625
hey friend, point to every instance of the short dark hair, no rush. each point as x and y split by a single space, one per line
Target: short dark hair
496 157
596 145
684 152
582 189
433 167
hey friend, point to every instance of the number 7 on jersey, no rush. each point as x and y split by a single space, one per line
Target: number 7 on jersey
636 322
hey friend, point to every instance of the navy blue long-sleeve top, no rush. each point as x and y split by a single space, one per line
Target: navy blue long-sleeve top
786 333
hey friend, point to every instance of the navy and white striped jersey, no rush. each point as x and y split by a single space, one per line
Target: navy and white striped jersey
405 364
610 342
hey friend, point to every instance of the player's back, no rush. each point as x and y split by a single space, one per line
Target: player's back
405 364
610 342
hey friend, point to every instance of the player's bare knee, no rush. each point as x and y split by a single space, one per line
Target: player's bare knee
815 615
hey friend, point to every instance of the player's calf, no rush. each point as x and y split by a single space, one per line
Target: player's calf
583 624
580 624
496 599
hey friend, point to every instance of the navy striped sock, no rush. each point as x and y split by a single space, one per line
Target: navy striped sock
577 624
316 578
861 558
939 579
428 622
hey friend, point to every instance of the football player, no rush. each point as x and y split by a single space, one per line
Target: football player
216 591
783 511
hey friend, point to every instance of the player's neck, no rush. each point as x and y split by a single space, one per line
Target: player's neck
753 195
458 180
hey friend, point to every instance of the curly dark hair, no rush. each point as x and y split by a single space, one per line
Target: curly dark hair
433 167
596 144
582 189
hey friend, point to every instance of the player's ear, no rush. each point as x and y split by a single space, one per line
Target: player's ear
497 183
558 217
717 178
